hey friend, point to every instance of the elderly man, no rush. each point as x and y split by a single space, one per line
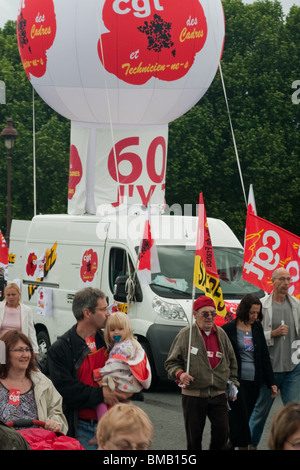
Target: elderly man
281 316
212 365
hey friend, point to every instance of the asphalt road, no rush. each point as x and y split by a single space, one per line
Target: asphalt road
164 409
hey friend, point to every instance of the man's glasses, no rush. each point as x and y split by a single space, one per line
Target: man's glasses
208 314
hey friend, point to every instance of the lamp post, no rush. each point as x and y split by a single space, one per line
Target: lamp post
9 135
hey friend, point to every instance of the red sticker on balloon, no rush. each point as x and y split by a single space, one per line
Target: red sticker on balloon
151 38
36 31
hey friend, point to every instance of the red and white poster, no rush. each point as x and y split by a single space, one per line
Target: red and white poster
268 247
89 266
44 302
77 190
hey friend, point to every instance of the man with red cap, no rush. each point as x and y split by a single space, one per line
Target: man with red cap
213 367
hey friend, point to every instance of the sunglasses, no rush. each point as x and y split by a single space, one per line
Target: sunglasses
207 314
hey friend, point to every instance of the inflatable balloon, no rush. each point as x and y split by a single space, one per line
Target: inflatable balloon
121 71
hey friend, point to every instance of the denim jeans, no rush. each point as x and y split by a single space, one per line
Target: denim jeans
86 430
289 385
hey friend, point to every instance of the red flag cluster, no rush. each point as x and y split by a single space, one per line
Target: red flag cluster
148 258
268 247
3 251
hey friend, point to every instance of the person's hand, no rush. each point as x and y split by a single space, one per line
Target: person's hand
123 396
186 378
232 398
274 390
110 398
282 330
52 425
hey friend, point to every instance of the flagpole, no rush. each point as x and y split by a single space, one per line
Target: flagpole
190 332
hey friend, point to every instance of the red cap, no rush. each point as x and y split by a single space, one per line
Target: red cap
203 301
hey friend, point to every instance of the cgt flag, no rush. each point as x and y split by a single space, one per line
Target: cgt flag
268 247
251 201
205 271
3 251
148 258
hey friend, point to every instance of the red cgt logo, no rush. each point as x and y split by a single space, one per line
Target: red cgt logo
36 31
151 39
89 265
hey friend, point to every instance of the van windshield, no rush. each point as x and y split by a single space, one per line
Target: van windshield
177 268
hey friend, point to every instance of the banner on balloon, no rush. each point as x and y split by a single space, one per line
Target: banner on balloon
205 270
77 190
268 247
126 62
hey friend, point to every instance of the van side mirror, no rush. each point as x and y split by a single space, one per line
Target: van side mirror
121 289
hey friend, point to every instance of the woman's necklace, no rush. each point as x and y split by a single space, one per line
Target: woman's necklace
246 328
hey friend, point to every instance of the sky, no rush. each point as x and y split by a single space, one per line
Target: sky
9 8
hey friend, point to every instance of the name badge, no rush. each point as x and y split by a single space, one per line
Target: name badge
210 354
14 397
194 350
219 354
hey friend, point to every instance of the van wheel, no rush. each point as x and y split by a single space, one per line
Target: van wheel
43 344
154 380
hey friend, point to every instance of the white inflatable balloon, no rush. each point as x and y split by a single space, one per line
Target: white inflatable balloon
122 64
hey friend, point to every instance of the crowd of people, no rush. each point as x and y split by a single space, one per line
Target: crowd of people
230 374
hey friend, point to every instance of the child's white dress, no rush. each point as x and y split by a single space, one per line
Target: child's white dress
129 368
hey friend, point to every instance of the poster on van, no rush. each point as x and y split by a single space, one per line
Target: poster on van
44 302
88 268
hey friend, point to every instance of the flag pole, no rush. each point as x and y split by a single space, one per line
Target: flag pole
190 332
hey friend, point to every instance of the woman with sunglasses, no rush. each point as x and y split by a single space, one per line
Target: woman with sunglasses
204 386
26 393
254 367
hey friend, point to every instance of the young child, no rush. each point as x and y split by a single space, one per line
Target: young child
125 427
127 367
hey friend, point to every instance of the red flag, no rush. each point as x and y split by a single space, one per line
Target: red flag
148 261
251 201
205 271
3 251
268 247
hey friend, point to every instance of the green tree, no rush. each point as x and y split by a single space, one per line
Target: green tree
259 65
52 137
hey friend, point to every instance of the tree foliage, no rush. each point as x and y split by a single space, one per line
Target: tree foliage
259 65
52 141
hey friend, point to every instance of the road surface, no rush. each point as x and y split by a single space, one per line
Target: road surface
164 409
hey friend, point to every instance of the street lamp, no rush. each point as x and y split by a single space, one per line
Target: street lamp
9 135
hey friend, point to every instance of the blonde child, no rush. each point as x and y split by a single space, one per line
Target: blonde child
125 427
127 367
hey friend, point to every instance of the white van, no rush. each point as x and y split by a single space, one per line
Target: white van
53 256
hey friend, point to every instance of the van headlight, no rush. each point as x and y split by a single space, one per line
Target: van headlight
168 311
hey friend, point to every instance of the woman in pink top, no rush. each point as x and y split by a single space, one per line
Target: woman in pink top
16 316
